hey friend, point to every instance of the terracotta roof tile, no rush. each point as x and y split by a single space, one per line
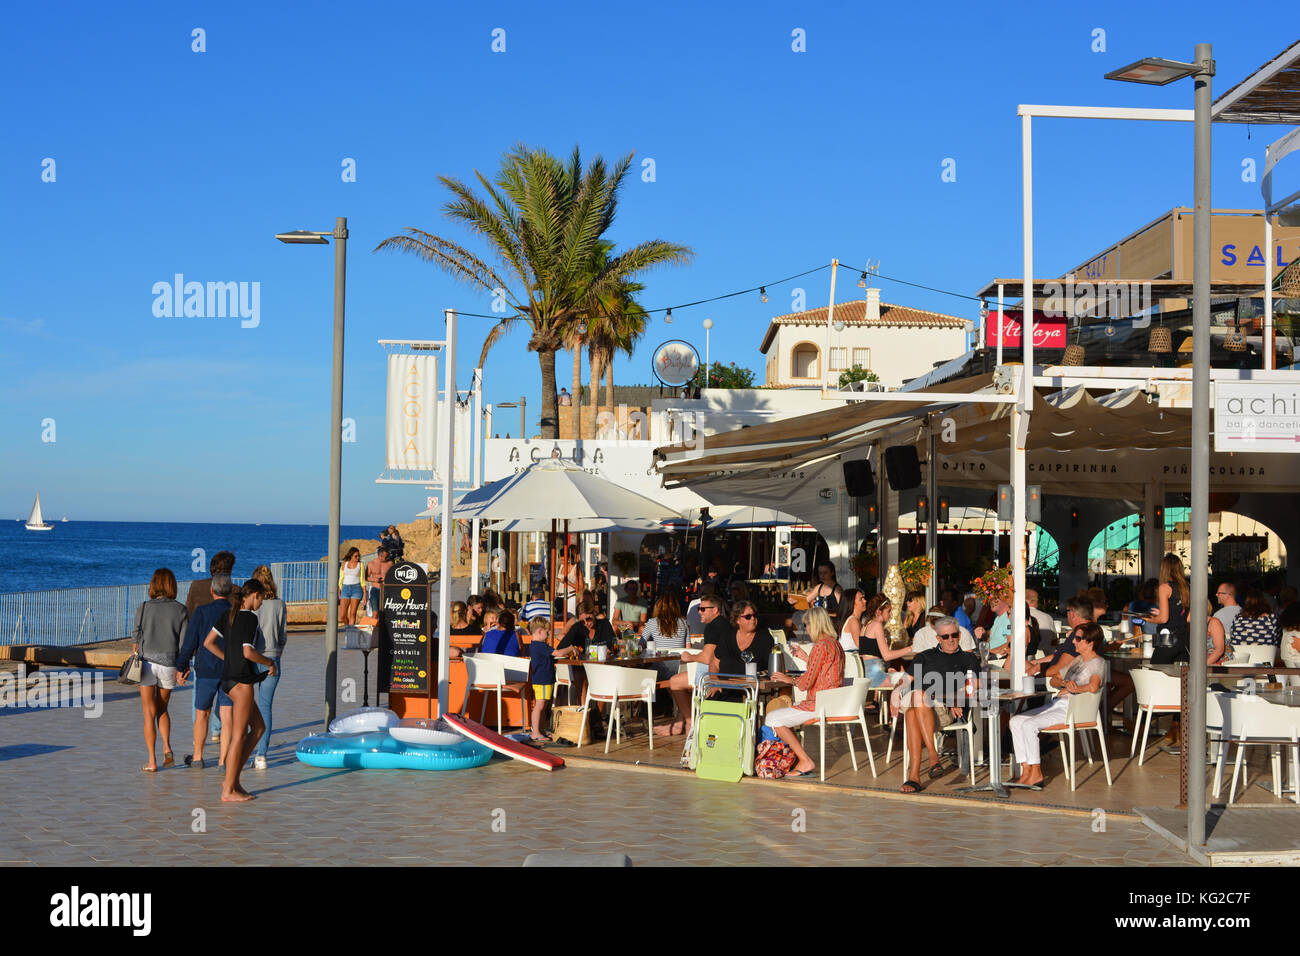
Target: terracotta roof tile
855 313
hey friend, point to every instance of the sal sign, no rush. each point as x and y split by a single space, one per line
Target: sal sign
1256 416
1049 333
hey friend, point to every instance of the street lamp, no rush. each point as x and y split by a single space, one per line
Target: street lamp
708 324
1158 72
304 237
522 405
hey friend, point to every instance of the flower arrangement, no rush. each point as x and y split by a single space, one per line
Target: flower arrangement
993 585
916 572
866 564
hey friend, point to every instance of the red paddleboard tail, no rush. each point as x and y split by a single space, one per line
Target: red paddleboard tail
504 745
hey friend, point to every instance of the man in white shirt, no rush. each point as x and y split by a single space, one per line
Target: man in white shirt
1046 626
926 637
1227 596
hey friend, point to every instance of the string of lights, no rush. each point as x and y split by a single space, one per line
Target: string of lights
762 291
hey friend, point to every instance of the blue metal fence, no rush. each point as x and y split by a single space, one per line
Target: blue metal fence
69 616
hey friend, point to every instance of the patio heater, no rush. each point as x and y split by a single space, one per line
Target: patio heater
1159 72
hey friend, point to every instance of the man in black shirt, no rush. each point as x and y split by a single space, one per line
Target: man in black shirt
937 695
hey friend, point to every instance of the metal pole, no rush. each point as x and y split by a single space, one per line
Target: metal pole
932 523
444 566
336 474
523 403
1193 737
1000 318
825 369
1020 413
476 474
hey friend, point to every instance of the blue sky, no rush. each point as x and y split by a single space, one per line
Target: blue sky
768 162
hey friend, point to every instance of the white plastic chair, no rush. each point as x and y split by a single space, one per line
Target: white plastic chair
564 678
965 725
1253 655
1081 714
853 671
487 673
1156 693
1255 722
1216 703
844 705
614 685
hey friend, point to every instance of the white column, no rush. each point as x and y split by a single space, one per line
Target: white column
825 368
444 576
1019 435
1000 317
476 475
887 506
1269 351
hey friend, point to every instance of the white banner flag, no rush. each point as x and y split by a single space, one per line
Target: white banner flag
412 429
463 432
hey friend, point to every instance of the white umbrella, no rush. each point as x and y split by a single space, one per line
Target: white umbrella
737 517
558 491
555 489
579 526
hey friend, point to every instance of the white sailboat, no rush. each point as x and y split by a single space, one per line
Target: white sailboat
34 521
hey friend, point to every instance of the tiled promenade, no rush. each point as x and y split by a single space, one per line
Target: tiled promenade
73 794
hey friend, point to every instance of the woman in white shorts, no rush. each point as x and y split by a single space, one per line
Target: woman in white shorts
159 626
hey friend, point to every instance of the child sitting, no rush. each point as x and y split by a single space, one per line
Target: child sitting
541 672
500 637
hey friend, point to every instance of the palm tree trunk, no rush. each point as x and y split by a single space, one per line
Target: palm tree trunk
550 416
577 389
609 383
595 358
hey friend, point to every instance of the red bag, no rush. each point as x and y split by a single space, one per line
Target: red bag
773 760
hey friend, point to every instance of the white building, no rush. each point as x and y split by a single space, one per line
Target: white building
896 342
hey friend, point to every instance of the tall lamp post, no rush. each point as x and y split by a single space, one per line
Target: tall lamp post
708 326
304 237
1159 72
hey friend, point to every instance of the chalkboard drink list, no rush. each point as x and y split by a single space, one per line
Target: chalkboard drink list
406 628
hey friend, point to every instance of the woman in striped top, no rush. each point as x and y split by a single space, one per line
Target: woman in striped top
667 628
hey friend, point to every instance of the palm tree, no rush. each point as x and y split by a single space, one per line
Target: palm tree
544 220
616 326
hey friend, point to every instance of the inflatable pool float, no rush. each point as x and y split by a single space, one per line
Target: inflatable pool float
362 719
380 750
425 732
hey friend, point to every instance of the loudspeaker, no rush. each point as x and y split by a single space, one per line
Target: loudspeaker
859 479
902 467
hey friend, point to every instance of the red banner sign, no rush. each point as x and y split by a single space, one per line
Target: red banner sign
1049 333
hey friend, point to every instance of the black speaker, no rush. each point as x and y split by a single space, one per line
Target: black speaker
859 479
902 467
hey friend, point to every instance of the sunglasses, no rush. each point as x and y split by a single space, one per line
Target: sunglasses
949 637
746 617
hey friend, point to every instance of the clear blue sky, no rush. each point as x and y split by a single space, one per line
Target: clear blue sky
768 162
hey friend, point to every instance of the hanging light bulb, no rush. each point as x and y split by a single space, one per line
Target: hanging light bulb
762 293
862 281
668 317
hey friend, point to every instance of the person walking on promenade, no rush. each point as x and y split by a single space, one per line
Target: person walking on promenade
199 594
391 541
376 570
271 621
207 669
159 624
239 673
350 587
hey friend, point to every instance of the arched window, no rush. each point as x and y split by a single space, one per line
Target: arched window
804 361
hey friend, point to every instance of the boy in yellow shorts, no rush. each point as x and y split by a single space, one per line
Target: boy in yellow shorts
541 672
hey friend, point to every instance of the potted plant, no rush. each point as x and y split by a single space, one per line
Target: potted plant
994 585
866 564
916 572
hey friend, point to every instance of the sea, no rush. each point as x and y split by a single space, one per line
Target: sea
79 554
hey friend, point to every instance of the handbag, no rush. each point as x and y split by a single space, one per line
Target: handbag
131 668
773 760
567 723
133 665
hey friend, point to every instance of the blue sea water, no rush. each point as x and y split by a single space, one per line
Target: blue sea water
92 553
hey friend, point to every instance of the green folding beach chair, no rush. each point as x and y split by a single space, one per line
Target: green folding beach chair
723 737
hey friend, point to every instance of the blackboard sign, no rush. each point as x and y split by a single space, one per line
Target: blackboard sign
405 620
